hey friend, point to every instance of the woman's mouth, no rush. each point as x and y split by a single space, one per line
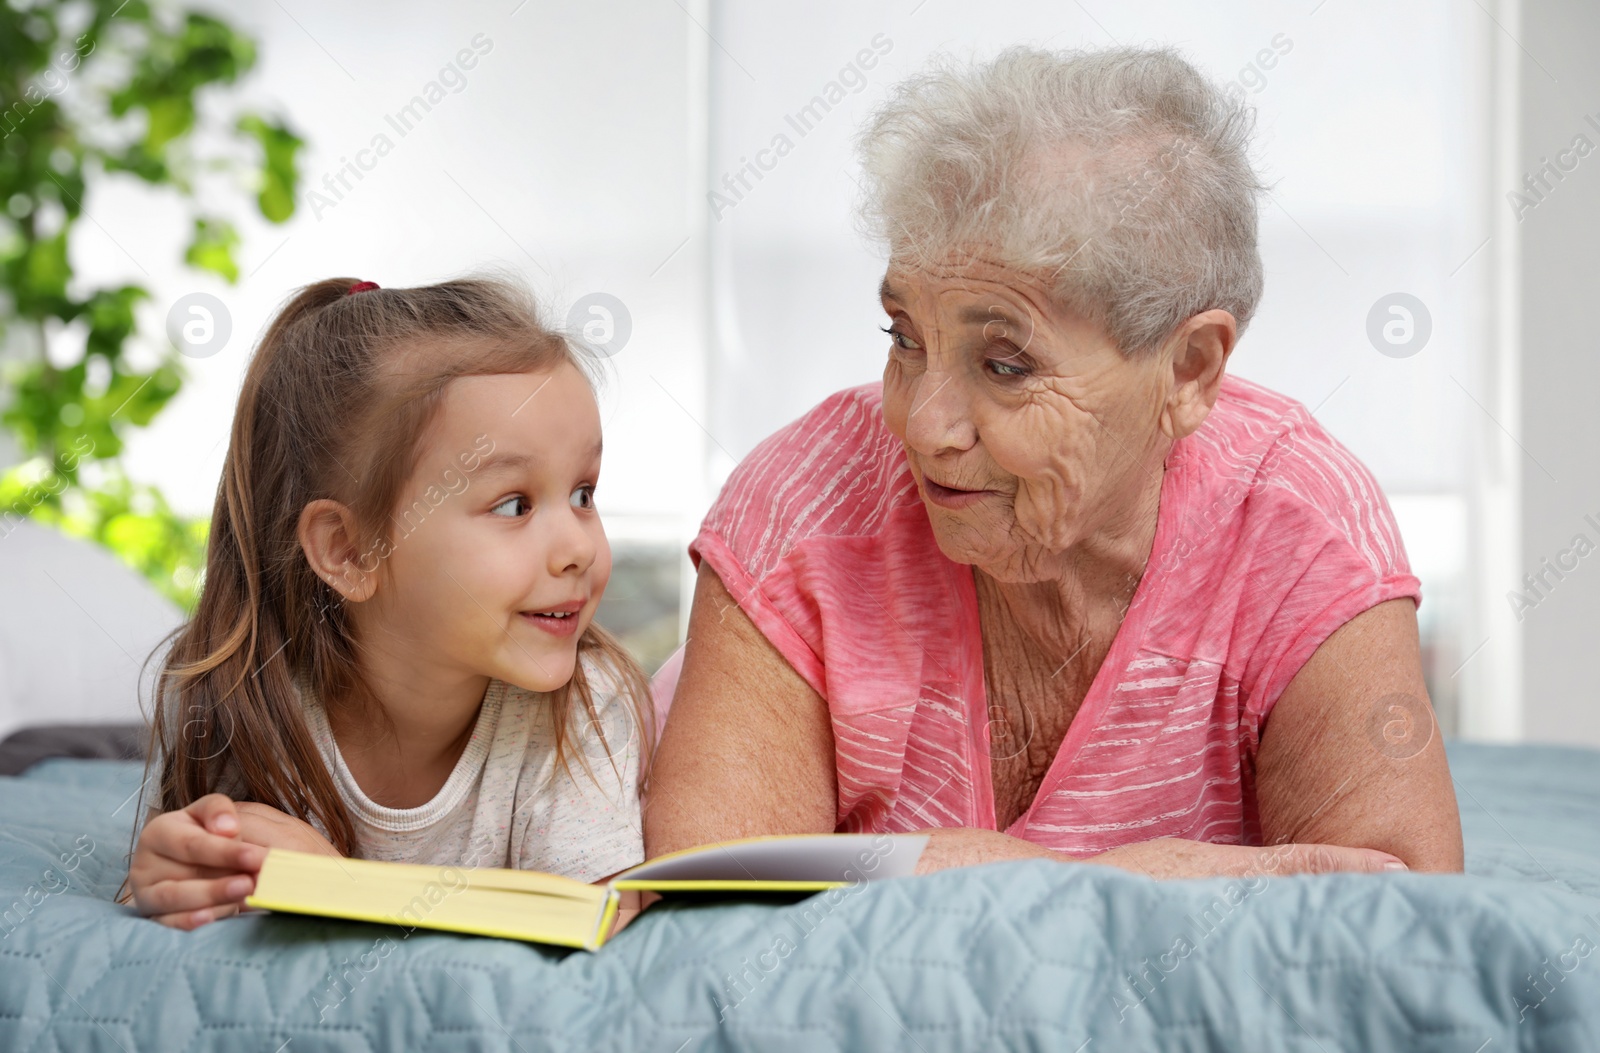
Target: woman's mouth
560 620
950 496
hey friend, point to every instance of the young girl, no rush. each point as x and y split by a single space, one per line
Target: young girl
394 655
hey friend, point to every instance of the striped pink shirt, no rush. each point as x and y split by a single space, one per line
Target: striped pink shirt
1270 535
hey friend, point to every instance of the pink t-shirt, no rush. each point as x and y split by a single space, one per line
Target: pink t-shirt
1270 535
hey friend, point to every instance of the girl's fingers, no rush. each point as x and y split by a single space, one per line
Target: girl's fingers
193 919
188 921
193 846
215 812
194 896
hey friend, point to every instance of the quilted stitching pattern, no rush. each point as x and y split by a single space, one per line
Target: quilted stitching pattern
1013 956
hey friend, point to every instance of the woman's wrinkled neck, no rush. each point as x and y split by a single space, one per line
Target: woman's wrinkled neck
1053 596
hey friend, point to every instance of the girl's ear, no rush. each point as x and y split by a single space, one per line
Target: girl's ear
327 532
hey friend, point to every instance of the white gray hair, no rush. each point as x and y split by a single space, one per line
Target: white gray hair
1057 164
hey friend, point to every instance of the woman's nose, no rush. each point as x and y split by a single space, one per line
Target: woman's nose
939 417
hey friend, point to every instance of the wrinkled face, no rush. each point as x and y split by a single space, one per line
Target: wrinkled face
497 558
1026 429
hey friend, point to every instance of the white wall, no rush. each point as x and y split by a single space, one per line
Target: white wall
1560 427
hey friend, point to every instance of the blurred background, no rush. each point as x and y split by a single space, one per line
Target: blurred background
170 172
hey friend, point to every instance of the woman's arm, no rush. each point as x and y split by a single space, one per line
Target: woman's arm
748 748
1350 774
1351 754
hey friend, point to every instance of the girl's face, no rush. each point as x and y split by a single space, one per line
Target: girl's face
496 556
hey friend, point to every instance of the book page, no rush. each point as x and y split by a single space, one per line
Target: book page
820 858
519 905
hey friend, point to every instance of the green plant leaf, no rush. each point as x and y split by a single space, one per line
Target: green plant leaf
110 313
211 248
170 117
137 111
135 398
45 269
279 173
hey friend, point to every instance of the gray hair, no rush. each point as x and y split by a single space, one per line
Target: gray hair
1121 177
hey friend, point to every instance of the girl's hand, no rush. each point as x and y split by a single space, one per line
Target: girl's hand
264 825
191 866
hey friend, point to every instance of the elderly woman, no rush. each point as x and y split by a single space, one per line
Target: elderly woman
1061 587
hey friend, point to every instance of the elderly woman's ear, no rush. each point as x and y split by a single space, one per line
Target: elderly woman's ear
1199 351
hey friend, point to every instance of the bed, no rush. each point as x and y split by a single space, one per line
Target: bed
1028 955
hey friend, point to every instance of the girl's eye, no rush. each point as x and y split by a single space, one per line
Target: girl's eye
901 340
516 503
583 497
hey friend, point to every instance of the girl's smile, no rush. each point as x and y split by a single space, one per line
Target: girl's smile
561 620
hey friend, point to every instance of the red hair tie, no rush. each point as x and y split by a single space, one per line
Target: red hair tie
360 287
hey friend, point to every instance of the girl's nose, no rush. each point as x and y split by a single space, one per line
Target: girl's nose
573 548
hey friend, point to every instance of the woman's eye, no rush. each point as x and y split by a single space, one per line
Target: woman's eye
512 506
583 497
1003 368
901 340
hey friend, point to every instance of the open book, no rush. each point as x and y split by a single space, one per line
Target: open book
545 908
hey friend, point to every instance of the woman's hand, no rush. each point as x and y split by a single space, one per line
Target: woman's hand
966 846
1174 857
192 866
1163 858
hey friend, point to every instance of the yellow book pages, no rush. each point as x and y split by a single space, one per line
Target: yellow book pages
513 904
